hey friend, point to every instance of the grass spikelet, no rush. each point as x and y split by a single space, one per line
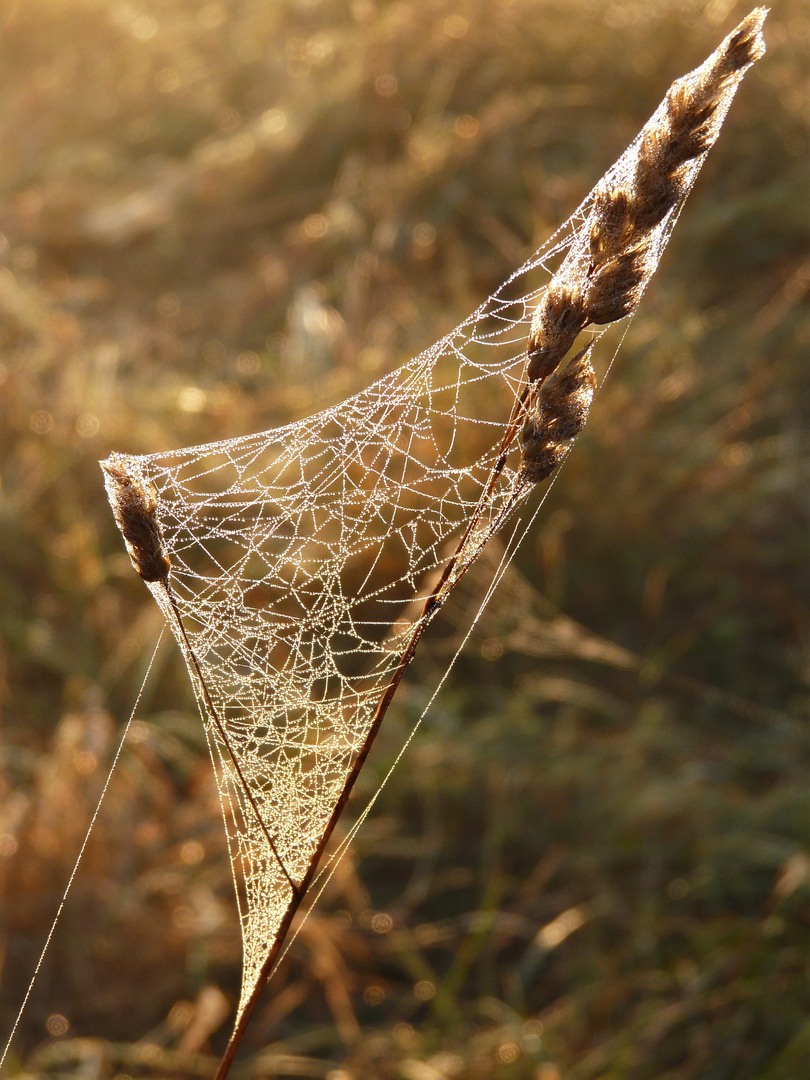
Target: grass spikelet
604 275
558 416
559 318
134 503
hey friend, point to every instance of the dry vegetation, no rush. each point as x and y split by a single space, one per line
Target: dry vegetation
220 216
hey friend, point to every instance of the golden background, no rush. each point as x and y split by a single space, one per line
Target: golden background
594 862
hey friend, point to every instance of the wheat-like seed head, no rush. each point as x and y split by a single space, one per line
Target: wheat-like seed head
134 502
603 278
558 415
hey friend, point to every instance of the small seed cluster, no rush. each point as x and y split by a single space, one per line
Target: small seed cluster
558 416
134 502
604 276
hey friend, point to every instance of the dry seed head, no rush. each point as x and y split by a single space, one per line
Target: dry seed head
744 45
624 215
603 281
656 193
576 379
535 430
688 129
560 414
558 320
133 503
689 125
616 287
572 419
613 223
542 462
567 402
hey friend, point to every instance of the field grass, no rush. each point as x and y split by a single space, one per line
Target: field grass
594 863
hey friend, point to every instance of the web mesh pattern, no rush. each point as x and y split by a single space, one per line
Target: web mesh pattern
301 558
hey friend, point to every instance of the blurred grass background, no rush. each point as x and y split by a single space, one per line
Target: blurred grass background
594 862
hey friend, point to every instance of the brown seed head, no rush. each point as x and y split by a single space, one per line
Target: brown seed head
540 462
615 288
658 183
133 503
689 125
578 375
559 318
690 107
568 402
612 224
560 414
744 45
602 279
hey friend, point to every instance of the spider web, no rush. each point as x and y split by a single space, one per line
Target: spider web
301 559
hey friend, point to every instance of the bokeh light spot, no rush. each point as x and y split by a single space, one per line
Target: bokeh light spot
85 762
228 119
273 121
168 305
678 889
374 995
248 363
8 845
191 399
405 1034
386 85
168 81
57 1024
455 26
315 226
548 1071
508 1052
87 425
144 27
41 422
192 852
466 127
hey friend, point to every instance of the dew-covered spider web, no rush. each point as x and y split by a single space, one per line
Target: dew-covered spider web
302 559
